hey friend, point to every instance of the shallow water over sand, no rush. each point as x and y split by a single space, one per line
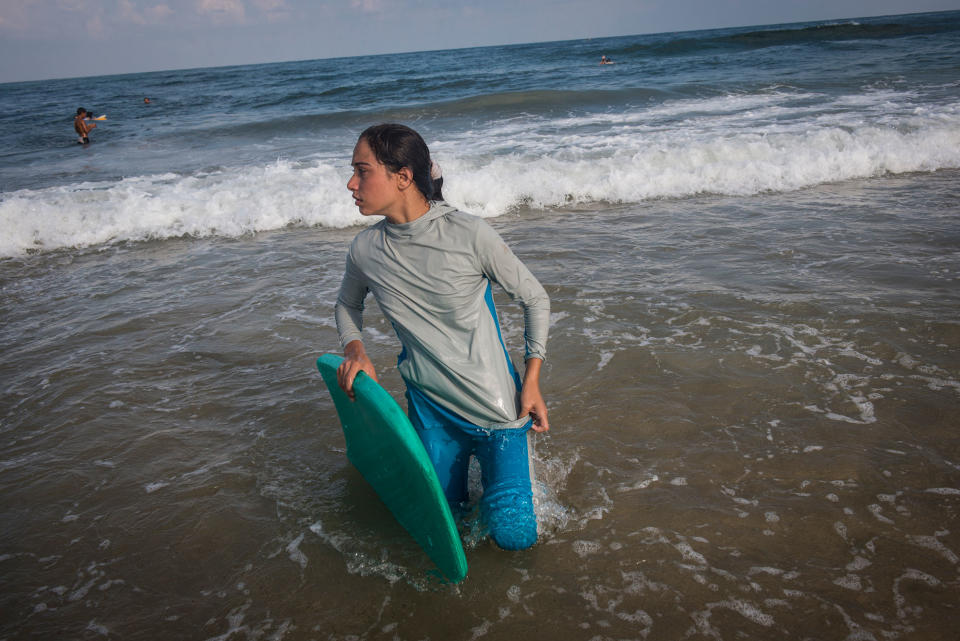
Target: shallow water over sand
753 404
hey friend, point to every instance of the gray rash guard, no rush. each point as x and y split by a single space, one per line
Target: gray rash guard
431 278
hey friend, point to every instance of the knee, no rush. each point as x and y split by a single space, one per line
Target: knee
512 520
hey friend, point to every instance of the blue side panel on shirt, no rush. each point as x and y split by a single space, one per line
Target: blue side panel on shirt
488 297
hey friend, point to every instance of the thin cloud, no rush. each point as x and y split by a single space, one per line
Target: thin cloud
274 10
13 17
223 11
69 5
95 27
150 15
368 6
270 5
158 13
129 13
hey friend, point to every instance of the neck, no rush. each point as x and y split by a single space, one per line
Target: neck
410 209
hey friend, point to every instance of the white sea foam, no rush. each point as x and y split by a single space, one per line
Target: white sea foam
735 145
295 553
934 543
358 558
738 145
150 488
228 203
743 608
877 512
585 548
641 484
850 582
689 554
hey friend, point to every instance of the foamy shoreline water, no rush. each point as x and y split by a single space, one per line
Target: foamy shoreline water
632 167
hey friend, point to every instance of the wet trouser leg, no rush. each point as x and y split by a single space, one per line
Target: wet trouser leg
504 457
507 502
449 450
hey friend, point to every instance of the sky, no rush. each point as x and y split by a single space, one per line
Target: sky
43 39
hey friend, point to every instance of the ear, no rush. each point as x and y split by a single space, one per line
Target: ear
404 177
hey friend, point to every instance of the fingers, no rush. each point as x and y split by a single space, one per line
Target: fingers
537 410
348 370
346 374
540 423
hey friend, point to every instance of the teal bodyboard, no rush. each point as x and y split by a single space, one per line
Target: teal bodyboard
385 449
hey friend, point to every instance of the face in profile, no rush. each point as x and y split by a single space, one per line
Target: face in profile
374 188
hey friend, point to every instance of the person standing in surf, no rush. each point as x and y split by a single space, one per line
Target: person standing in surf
430 268
82 127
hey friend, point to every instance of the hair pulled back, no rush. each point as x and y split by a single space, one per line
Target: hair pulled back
398 146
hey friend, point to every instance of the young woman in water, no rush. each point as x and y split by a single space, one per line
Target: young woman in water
430 268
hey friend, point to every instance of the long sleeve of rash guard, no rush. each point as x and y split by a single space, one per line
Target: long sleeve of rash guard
348 311
501 265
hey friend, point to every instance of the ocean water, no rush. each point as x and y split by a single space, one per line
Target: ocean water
751 239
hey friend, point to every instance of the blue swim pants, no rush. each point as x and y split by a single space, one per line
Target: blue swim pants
504 457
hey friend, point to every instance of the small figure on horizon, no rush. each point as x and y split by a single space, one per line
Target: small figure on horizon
605 60
82 127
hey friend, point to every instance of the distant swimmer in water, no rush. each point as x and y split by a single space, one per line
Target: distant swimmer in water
605 60
146 101
82 127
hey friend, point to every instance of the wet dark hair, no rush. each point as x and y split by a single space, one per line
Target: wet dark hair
398 146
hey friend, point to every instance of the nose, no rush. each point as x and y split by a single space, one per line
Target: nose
353 183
